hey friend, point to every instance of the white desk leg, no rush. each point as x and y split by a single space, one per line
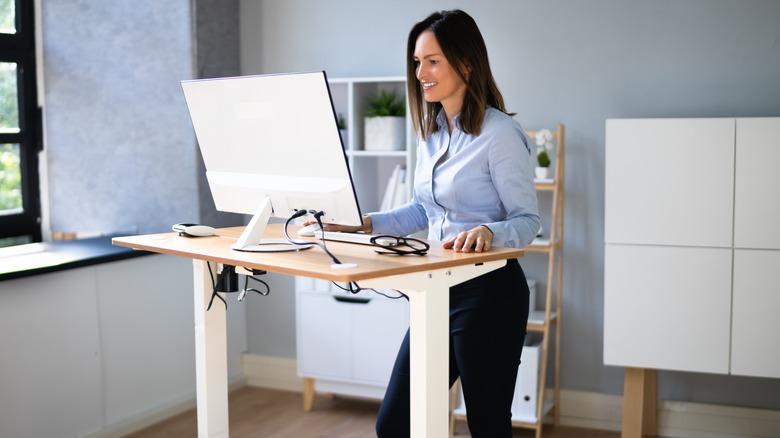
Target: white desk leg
429 325
429 359
210 357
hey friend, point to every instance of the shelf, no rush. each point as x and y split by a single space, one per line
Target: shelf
546 185
530 422
541 245
525 422
536 320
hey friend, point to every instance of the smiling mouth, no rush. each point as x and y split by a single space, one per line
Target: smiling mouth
427 85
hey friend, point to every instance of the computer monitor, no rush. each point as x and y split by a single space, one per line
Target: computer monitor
271 147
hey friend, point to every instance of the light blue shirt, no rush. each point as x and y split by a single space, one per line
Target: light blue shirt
486 179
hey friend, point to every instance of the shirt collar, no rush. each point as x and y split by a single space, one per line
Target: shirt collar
441 120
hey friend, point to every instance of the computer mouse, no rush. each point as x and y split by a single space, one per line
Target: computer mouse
201 231
309 230
194 230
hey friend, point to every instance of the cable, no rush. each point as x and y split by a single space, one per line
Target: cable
246 289
354 288
214 292
242 293
317 215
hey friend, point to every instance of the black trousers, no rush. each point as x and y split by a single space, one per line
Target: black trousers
488 318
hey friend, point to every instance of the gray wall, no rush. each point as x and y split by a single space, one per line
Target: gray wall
121 153
217 54
118 141
573 62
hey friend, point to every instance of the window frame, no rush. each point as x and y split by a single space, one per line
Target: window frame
20 49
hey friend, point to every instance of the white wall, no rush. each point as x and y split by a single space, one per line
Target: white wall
90 349
566 61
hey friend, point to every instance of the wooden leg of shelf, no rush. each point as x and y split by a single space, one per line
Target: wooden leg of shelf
650 424
639 403
542 380
559 317
308 394
454 398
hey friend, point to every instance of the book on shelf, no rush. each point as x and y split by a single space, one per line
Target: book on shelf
395 192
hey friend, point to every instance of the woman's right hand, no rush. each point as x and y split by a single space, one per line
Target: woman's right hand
367 226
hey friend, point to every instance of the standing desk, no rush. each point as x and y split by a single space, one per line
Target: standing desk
425 280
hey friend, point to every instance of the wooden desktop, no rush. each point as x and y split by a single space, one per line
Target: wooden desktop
425 280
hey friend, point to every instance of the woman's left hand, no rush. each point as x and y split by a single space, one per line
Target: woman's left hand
477 239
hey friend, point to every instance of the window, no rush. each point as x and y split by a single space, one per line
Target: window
19 126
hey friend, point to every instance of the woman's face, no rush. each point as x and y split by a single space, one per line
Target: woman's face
438 79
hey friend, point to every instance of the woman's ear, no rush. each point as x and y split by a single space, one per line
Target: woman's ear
465 69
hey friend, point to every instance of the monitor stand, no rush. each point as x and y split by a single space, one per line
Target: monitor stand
251 239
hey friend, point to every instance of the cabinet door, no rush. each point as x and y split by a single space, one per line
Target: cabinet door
757 205
669 181
755 349
379 328
667 307
324 339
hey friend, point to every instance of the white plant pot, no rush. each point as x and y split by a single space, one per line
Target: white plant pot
542 172
384 133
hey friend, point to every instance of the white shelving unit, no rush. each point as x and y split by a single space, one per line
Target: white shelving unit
370 169
346 344
530 406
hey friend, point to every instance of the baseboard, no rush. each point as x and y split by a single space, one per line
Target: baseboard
675 419
583 409
156 415
271 372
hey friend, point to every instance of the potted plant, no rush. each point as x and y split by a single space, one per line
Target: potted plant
385 122
342 124
543 145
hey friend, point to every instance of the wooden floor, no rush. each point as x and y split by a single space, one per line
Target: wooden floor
260 412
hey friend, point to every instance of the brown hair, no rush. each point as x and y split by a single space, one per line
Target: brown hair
463 46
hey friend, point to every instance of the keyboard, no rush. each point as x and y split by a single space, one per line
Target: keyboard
361 238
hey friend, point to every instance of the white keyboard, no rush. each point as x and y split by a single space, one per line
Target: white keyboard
363 239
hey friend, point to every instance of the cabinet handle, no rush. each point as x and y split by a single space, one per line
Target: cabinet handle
354 300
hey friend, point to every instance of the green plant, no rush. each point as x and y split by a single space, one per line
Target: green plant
544 143
342 122
386 103
543 158
10 178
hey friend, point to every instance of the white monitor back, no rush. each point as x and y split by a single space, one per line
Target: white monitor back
272 137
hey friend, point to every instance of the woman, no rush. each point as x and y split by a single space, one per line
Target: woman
473 189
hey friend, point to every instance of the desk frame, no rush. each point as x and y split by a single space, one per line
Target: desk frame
426 280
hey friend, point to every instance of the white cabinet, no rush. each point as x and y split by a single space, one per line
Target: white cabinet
757 214
692 245
667 307
669 182
755 344
347 342
755 348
